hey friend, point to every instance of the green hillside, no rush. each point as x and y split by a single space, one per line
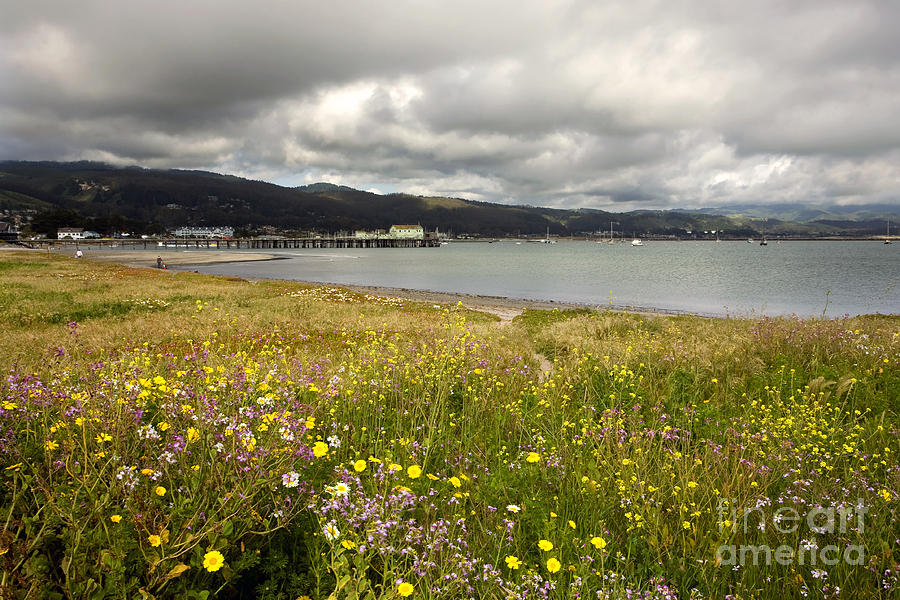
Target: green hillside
108 199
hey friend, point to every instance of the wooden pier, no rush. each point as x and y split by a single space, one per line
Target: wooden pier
429 241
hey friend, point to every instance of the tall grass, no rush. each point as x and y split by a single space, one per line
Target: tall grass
214 437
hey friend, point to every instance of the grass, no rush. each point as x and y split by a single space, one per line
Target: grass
177 435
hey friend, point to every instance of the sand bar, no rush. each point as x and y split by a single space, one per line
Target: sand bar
147 258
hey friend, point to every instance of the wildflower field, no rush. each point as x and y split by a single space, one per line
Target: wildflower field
173 435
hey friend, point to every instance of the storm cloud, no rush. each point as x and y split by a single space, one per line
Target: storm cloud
622 105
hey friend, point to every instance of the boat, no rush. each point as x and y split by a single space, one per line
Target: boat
547 239
637 242
612 238
763 242
887 240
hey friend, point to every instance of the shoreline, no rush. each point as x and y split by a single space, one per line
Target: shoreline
505 307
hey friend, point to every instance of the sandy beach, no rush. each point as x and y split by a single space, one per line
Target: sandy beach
505 308
147 258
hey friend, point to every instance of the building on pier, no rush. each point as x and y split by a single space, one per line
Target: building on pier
204 232
407 232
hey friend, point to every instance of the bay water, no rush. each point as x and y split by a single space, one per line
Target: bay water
806 278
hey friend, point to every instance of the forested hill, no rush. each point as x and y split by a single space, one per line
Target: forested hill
108 199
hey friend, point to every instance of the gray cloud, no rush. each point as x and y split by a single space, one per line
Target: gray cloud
639 104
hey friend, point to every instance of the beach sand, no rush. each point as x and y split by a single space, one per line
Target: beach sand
147 258
505 308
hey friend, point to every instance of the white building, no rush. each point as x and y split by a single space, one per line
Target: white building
204 232
72 233
407 232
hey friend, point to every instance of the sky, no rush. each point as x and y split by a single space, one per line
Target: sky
638 104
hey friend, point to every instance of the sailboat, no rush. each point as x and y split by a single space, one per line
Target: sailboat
763 242
547 239
611 238
887 240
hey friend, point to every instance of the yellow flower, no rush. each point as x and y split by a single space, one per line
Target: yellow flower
598 542
348 544
533 457
455 482
512 562
414 471
553 565
686 524
115 518
154 540
192 434
320 449
405 589
50 445
359 466
163 426
572 524
160 491
147 472
545 545
310 422
103 437
213 561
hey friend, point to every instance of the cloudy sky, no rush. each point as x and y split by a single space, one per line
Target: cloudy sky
616 105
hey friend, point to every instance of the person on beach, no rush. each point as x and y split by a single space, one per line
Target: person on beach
78 254
159 262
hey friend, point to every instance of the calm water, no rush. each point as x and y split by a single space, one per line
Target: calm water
703 277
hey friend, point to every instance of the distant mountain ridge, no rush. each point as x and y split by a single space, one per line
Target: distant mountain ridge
803 213
107 199
322 187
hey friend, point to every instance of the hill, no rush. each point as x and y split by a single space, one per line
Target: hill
109 199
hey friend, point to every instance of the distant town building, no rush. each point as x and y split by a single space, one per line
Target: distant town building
8 232
407 232
204 232
75 233
72 233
